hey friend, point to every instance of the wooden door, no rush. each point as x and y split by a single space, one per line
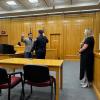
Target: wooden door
55 43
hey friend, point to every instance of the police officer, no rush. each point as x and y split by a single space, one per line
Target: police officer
40 45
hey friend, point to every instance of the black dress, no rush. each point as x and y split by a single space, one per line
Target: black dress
87 60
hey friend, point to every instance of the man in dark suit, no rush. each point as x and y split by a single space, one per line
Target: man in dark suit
40 45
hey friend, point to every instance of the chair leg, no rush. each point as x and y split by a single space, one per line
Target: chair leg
23 88
55 88
51 91
22 92
8 93
0 92
31 89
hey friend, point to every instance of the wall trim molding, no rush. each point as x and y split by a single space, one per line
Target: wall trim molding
72 57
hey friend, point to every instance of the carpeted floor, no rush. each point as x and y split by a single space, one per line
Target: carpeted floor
71 87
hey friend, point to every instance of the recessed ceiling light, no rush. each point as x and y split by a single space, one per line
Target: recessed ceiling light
33 1
11 3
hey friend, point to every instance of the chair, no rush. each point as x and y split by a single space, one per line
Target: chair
8 81
37 75
7 49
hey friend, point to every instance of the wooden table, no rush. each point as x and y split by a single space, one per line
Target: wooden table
53 65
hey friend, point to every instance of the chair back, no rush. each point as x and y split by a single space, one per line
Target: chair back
7 49
36 73
3 76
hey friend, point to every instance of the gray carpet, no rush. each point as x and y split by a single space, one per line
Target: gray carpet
71 87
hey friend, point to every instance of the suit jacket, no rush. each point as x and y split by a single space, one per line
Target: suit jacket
40 44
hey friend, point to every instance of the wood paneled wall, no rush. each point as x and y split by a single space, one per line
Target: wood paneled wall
5 26
65 32
73 32
97 30
97 74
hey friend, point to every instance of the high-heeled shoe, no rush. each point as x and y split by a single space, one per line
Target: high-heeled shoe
85 85
83 81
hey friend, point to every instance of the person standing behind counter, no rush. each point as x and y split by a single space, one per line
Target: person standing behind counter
18 44
28 45
40 45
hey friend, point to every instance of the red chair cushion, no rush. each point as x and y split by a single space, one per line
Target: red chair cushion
14 81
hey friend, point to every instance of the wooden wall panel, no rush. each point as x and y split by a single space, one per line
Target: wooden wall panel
54 25
27 27
74 26
16 30
40 23
3 39
97 74
70 28
5 25
97 29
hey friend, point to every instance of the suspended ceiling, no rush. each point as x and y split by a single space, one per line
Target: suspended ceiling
25 7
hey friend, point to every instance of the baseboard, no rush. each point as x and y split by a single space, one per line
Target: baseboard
96 91
72 57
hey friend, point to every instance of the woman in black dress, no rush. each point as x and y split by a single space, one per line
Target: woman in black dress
87 59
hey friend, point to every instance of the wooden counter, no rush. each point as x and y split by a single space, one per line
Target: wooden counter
17 55
50 53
